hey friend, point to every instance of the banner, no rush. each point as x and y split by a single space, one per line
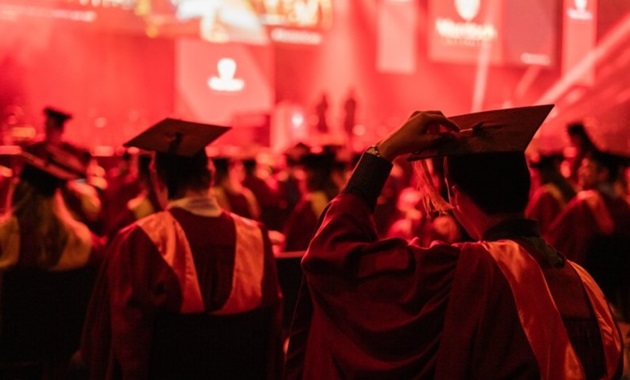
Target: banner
498 32
579 37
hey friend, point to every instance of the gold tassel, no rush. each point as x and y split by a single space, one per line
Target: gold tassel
432 201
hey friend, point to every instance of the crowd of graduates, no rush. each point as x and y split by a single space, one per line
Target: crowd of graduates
287 191
580 201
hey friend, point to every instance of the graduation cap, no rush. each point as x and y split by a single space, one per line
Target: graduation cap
319 158
505 130
58 115
499 131
294 153
177 137
45 174
614 162
608 151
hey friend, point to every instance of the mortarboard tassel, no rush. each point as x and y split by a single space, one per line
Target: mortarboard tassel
432 201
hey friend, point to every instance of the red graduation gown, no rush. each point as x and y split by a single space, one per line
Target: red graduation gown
594 231
392 309
187 261
589 214
545 205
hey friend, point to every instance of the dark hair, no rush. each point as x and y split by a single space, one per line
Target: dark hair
221 168
318 168
144 168
42 219
180 173
611 162
496 182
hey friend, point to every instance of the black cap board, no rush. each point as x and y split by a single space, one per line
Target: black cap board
177 137
57 114
504 130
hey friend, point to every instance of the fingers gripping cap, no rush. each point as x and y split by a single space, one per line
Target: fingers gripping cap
177 137
505 130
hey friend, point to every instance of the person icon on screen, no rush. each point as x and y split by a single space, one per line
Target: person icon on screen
225 81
